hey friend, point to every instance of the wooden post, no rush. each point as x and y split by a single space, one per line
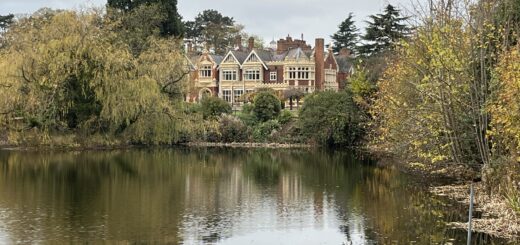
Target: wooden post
471 197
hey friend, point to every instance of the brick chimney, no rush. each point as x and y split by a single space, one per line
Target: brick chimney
238 42
319 59
251 43
190 48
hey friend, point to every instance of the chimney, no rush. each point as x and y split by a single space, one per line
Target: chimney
190 48
302 37
319 59
251 44
238 42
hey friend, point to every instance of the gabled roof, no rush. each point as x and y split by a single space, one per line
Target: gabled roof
297 54
217 58
262 55
240 56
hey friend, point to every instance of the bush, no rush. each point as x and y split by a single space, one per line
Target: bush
233 129
285 117
266 106
263 131
331 118
213 107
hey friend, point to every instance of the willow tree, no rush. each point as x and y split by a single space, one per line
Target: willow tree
70 71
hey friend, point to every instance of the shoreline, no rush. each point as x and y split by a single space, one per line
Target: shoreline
498 219
248 145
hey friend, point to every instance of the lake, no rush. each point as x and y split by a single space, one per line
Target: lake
218 196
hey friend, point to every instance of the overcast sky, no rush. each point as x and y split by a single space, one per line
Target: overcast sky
266 18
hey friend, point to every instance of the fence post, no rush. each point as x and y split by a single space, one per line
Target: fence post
471 197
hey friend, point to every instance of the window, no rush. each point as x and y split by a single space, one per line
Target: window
229 75
226 95
205 71
330 79
237 93
299 73
252 75
272 76
249 91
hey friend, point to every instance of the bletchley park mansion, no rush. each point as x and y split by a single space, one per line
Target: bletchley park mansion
287 66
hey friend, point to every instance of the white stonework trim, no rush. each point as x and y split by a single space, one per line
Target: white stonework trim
258 57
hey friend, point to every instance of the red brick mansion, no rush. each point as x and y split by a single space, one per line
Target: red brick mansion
289 64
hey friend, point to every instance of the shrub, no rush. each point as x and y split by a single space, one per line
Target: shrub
266 106
213 107
285 117
330 118
233 129
263 131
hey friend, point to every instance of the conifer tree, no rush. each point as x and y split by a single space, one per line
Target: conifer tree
171 26
347 35
384 31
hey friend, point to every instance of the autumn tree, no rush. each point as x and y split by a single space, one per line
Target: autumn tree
81 77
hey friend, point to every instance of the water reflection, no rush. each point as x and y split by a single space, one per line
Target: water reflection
216 196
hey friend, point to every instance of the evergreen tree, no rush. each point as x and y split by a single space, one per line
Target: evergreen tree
384 31
5 21
346 36
171 26
213 28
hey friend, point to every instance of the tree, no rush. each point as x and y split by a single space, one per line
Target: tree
346 36
331 118
171 26
213 107
82 78
5 21
213 29
383 32
266 106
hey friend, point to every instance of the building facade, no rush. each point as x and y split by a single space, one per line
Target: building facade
289 64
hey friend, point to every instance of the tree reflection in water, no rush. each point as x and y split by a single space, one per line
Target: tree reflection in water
216 196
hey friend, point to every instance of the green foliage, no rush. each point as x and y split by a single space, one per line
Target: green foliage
383 32
347 35
170 25
285 117
266 106
331 118
5 21
263 131
213 107
233 129
214 29
360 86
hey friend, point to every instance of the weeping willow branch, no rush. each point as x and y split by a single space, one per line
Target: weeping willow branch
165 87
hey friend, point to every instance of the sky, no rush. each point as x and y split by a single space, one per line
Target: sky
269 19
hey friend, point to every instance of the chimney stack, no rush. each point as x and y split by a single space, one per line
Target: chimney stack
238 42
190 47
251 44
319 59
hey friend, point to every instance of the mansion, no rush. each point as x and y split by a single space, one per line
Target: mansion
286 65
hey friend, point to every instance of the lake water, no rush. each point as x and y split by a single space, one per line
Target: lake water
217 196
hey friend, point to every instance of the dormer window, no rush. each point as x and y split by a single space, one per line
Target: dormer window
205 71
